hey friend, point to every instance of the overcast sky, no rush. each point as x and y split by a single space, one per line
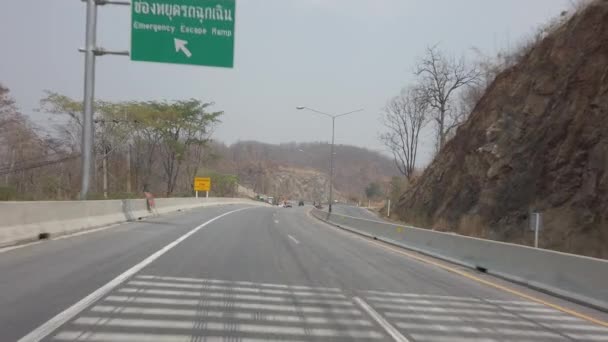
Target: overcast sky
332 55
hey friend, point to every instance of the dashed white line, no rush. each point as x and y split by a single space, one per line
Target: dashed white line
51 325
294 239
390 329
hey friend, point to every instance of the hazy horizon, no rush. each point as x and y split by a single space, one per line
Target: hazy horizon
331 55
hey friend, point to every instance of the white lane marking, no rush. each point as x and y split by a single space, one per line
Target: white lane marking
475 330
444 338
431 309
527 309
225 304
416 295
465 311
233 297
431 302
585 327
276 221
141 283
435 318
588 337
217 326
391 330
51 325
76 335
512 302
560 317
246 283
198 314
138 283
294 239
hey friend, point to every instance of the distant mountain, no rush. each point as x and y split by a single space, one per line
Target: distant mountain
301 169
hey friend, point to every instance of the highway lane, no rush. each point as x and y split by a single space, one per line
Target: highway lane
277 274
39 281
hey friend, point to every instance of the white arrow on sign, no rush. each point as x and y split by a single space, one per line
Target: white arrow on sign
181 45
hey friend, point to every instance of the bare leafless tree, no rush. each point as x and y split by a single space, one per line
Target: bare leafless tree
441 77
404 117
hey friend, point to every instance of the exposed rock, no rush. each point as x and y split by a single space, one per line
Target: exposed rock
537 140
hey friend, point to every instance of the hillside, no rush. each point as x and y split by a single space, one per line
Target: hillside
301 170
536 141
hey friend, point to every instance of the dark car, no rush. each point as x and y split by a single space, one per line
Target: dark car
301 204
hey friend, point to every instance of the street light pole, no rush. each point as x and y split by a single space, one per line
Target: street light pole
331 157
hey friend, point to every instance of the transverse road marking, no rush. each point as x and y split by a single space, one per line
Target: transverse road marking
489 283
47 328
391 330
223 327
197 314
294 239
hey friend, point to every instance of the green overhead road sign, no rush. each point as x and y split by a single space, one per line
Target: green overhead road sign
198 32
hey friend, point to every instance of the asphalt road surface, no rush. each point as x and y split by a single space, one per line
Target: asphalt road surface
234 273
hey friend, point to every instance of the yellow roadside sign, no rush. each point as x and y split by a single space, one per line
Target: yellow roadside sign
202 184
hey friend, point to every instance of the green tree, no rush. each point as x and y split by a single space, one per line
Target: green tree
183 128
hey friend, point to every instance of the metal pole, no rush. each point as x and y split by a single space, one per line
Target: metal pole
89 93
207 195
105 173
331 163
128 161
128 158
196 193
388 213
536 228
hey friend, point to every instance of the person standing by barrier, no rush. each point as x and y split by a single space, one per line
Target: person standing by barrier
150 204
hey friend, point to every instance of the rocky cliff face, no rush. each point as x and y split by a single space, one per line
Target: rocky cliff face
537 140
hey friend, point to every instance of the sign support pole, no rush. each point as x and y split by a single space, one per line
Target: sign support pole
88 130
88 125
196 193
207 195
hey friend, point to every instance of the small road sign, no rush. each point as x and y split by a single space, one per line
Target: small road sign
197 32
202 184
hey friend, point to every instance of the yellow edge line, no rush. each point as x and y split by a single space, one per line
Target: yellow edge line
492 284
489 283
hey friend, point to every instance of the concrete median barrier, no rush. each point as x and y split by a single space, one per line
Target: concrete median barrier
28 221
578 278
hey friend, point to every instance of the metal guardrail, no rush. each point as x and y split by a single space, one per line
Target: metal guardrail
577 278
